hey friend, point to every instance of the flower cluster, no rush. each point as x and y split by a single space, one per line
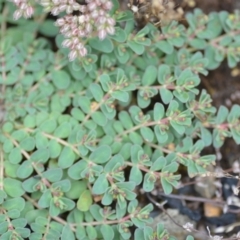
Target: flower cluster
58 6
24 9
93 21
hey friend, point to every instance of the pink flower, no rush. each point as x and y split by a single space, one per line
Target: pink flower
60 22
111 21
67 43
72 55
92 6
110 30
83 52
108 5
17 14
102 34
29 12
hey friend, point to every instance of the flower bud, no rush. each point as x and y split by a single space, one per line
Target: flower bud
17 14
72 55
67 43
59 22
110 30
81 19
83 52
111 21
102 34
82 8
92 6
108 5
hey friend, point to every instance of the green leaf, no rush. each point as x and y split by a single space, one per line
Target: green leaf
222 115
101 155
3 195
7 127
177 127
189 237
63 130
148 183
136 175
167 187
84 104
166 95
48 126
120 95
40 155
61 79
105 45
158 111
198 43
136 138
99 118
28 144
15 156
53 175
20 222
48 28
107 232
29 121
53 209
5 45
101 184
80 232
149 76
164 46
66 158
23 232
41 140
125 119
119 36
95 211
75 170
136 47
25 170
77 188
96 91
91 232
54 148
67 233
77 114
14 203
45 199
159 164
13 187
85 201
171 168
105 81
138 234
147 134
3 227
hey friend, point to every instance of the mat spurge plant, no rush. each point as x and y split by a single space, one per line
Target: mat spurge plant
80 138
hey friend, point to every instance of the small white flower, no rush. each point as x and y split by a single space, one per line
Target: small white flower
81 19
67 43
60 22
188 226
110 30
17 14
102 34
72 55
108 5
134 8
83 52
